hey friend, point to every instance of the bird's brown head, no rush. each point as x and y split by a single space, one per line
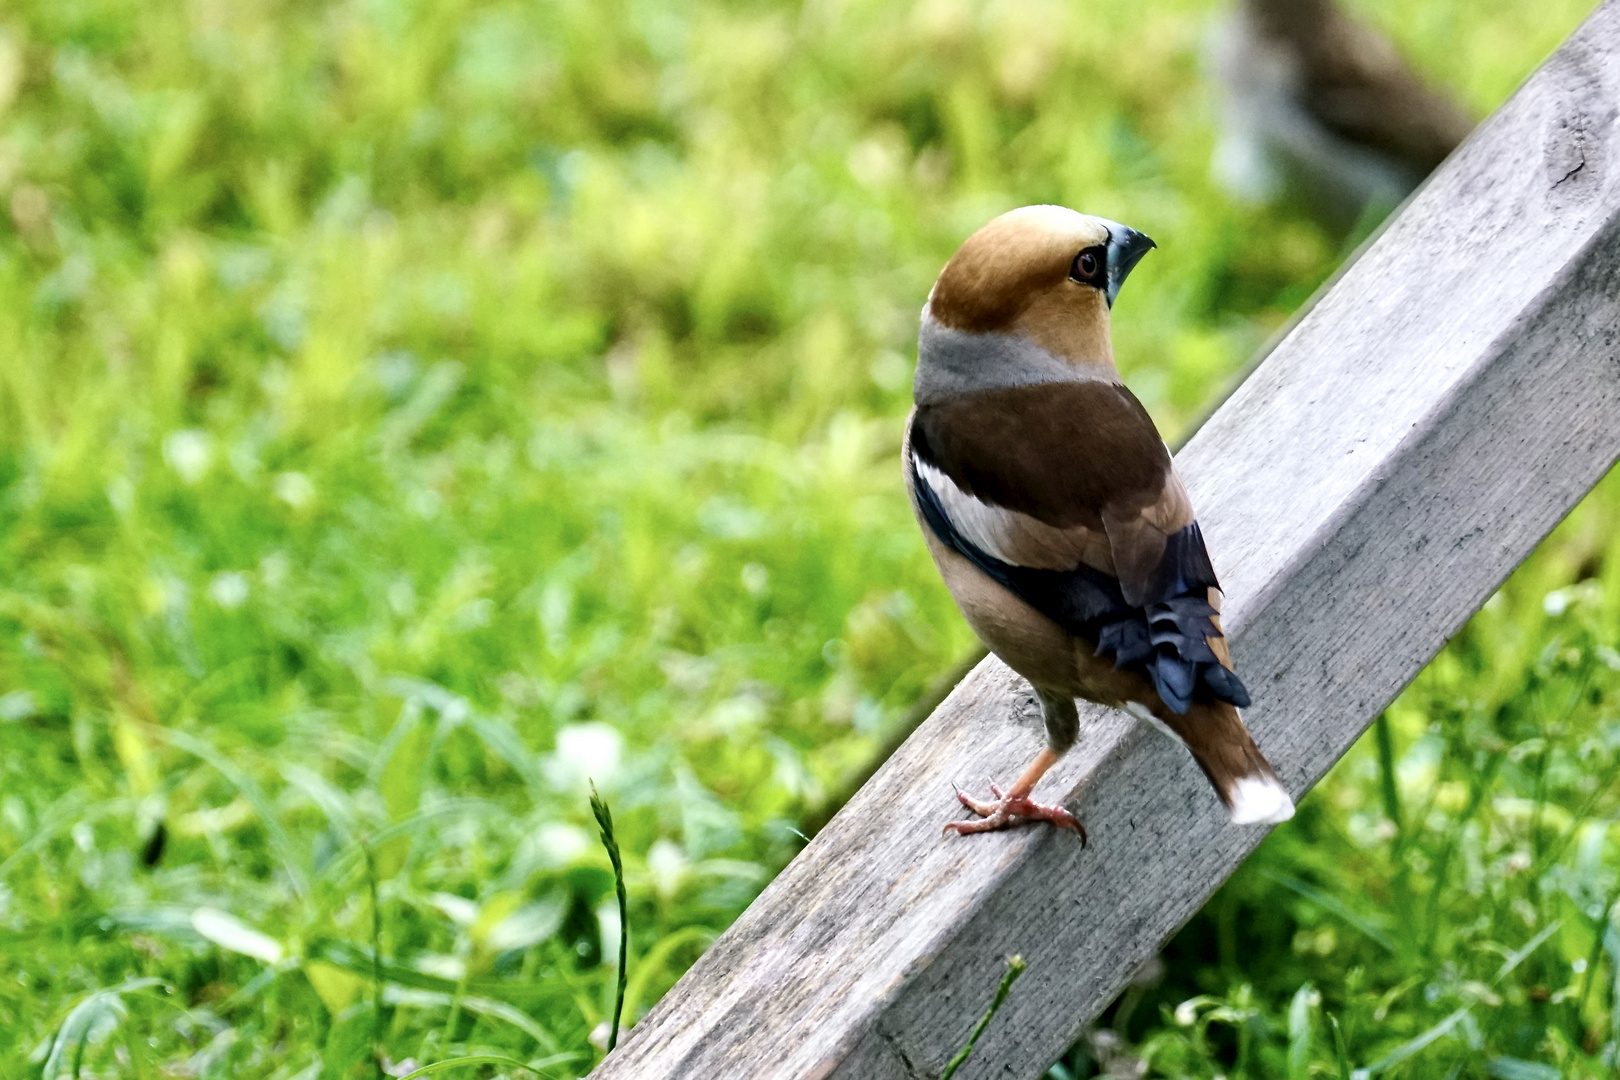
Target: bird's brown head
1044 272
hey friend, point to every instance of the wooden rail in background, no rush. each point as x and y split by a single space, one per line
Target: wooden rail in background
1364 492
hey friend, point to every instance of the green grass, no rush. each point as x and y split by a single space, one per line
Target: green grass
409 411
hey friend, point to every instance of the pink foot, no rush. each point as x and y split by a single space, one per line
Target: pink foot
1008 811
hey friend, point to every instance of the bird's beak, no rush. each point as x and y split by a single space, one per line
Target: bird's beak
1126 247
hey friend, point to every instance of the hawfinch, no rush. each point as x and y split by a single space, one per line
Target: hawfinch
1054 514
1313 99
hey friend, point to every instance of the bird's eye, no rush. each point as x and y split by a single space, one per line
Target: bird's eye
1088 267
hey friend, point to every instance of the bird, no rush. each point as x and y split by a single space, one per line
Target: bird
1053 511
1316 101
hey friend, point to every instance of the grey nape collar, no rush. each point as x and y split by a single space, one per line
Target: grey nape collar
951 363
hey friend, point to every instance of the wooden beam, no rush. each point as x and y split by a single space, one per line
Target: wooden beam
1364 492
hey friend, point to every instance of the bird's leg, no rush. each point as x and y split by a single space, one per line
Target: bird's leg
1015 807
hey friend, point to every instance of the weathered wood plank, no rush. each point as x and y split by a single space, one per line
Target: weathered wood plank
1435 415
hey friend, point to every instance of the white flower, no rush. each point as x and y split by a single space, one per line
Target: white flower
588 751
190 453
229 589
294 489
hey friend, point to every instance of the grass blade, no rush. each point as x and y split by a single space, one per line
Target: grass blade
1386 773
74 1033
1414 1046
1592 961
1510 1068
376 958
1518 957
604 821
1340 1056
488 1059
1329 902
1299 1032
482 1006
1015 968
253 793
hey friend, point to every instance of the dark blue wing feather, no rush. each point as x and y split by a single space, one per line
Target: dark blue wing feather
1165 639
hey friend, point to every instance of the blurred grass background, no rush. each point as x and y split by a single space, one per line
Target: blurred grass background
410 410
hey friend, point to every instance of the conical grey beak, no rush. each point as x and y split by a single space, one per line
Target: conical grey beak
1126 247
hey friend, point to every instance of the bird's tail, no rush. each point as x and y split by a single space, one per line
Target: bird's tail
1221 745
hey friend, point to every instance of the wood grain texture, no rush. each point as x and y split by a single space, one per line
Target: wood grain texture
1436 414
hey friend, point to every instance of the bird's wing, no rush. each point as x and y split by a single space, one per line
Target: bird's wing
1065 494
1353 81
1060 475
1358 86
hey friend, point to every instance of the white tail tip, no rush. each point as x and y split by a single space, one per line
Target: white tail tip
1260 800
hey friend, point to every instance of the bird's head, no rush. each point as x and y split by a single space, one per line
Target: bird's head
1046 273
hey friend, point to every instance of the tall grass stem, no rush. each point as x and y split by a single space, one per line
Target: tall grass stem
604 821
1015 968
1386 774
376 959
1340 1057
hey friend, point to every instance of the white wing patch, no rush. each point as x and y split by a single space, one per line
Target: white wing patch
1144 714
1015 538
980 524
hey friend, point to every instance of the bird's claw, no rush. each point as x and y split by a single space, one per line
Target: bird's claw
1009 811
